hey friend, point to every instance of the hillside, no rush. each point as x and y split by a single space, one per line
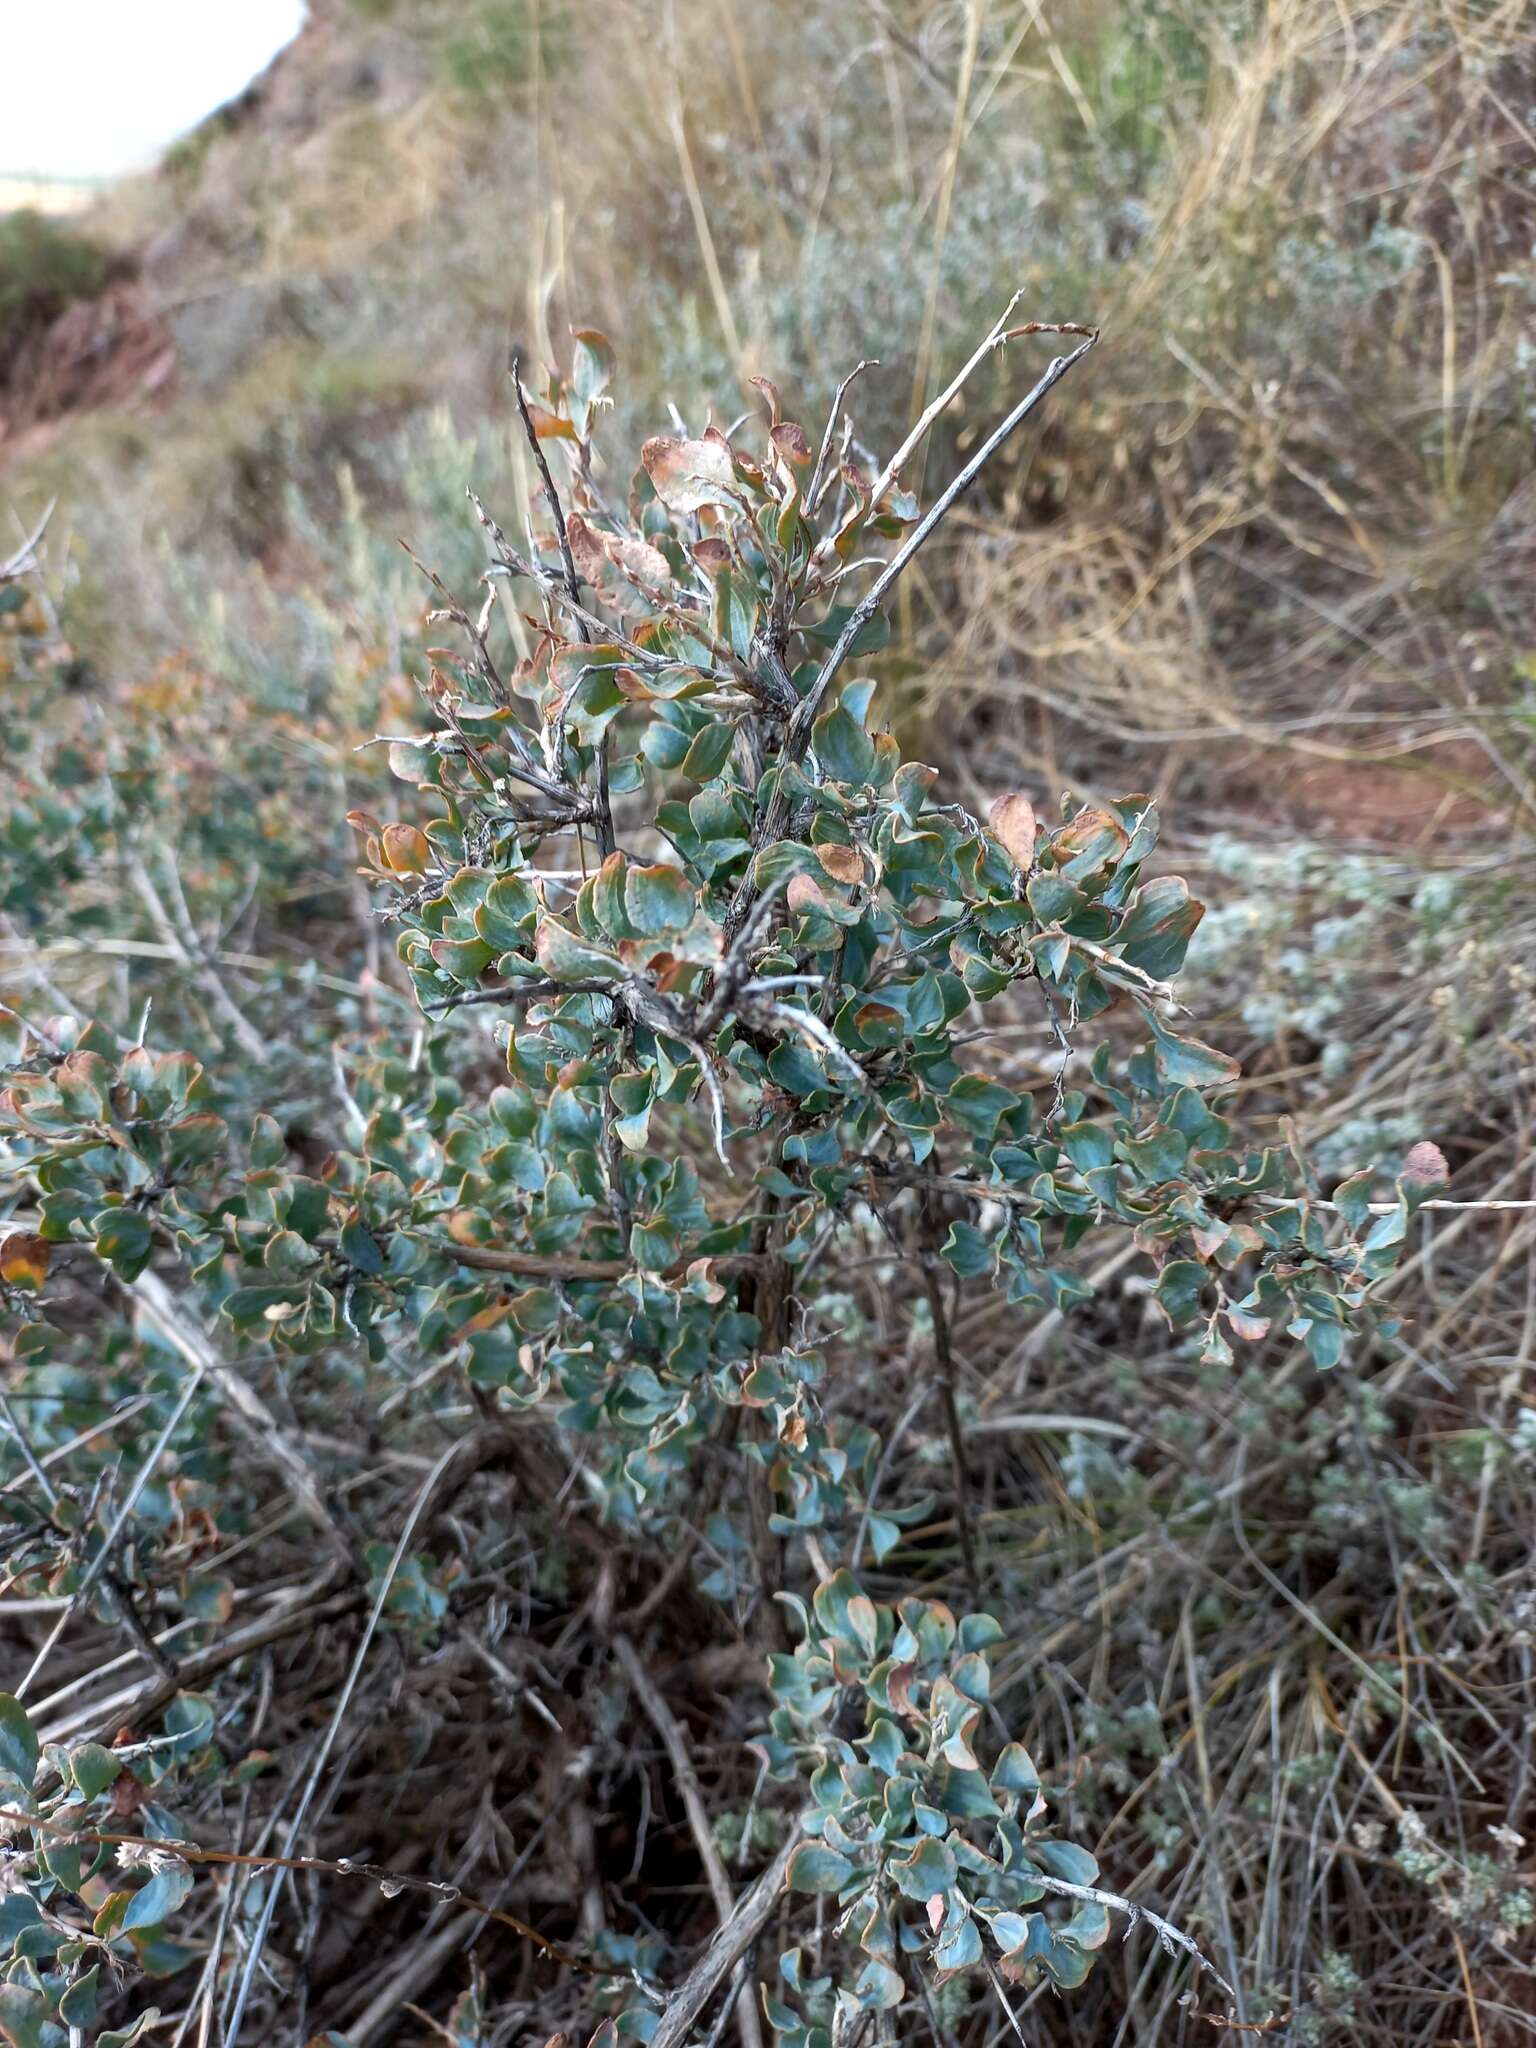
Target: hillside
413 192
1266 556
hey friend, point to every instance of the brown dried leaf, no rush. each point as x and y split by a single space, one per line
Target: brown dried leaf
24 1261
1012 819
548 426
842 863
405 850
770 391
587 550
712 554
789 439
688 475
637 558
1426 1165
805 893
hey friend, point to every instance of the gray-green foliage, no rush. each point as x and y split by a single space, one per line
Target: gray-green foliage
930 1851
733 1056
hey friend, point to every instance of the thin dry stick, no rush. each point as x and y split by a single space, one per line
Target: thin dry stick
1170 1938
797 738
573 581
667 1726
1315 1621
982 1191
554 1266
732 1941
1385 1208
103 1558
813 488
121 1598
222 956
467 1451
24 560
136 1704
800 726
197 964
159 1308
1001 333
391 1881
944 1379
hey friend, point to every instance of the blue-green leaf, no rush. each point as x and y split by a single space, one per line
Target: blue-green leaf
815 1868
19 1748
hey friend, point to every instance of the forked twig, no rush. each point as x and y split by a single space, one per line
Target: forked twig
813 488
1000 334
1170 1939
24 560
390 1882
799 735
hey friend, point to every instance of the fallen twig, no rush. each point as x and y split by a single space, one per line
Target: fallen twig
746 1923
667 1726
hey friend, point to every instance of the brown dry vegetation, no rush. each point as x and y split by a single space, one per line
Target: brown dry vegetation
1272 1633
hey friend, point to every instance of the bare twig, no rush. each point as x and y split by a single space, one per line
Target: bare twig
555 1266
813 488
746 1923
122 1600
187 950
389 1881
100 1563
261 1428
1170 1938
24 560
667 1726
1000 334
541 461
944 1377
459 1459
800 725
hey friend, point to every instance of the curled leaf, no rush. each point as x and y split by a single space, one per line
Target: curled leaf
688 475
789 439
842 863
24 1261
1426 1165
805 893
1012 819
405 849
549 426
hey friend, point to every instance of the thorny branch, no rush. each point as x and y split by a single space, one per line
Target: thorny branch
390 1882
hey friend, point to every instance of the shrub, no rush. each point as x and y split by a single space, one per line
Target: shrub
44 267
732 1060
